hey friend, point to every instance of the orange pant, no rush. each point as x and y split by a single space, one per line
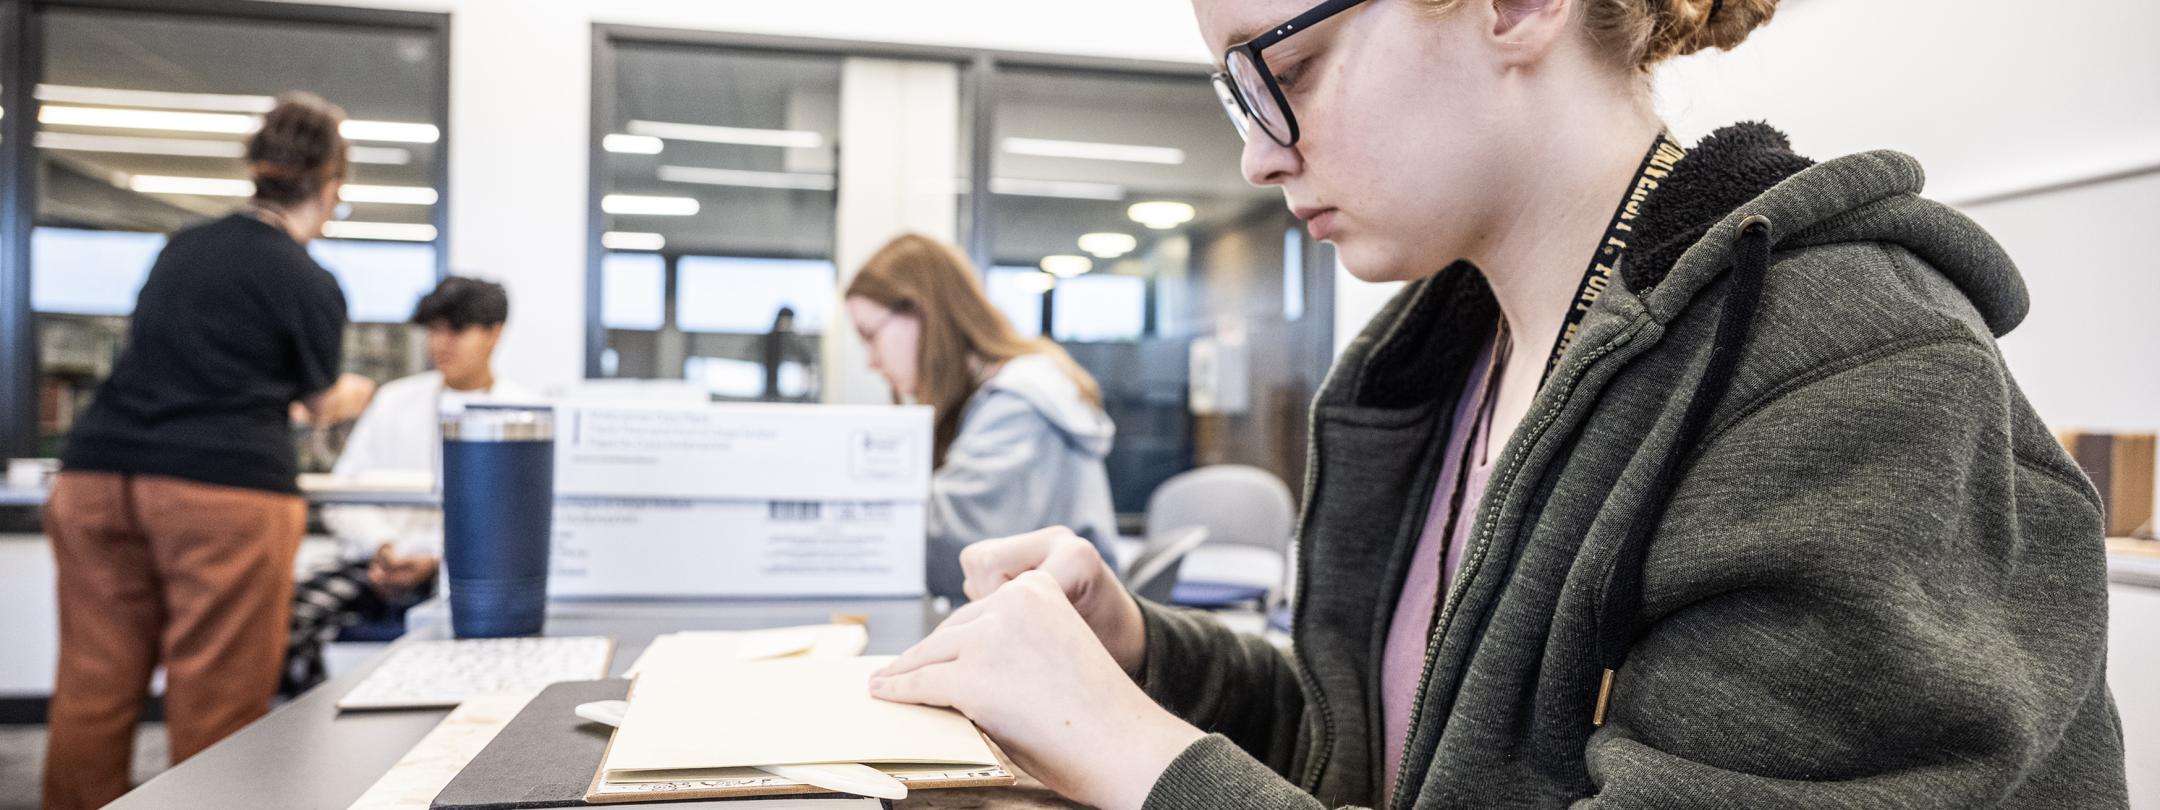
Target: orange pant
160 570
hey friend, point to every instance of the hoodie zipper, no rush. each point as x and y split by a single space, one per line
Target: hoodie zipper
1502 483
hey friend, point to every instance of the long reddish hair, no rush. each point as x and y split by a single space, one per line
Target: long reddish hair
961 331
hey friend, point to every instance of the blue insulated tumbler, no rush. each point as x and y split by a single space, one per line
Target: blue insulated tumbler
498 494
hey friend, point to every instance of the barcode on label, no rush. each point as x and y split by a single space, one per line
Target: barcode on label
795 511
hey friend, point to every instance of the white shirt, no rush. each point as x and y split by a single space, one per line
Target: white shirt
402 431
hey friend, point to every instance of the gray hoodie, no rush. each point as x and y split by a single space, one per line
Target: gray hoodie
1781 496
1029 454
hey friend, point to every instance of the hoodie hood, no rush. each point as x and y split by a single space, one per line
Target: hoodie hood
1040 381
1690 223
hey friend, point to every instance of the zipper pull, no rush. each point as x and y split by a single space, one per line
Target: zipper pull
1604 694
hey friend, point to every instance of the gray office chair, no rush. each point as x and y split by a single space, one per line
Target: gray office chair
1239 505
1154 572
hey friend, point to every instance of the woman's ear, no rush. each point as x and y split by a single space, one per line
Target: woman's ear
1524 32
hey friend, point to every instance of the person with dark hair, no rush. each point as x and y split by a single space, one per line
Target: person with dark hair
392 553
176 515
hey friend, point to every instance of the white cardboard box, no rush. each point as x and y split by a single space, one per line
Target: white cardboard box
739 500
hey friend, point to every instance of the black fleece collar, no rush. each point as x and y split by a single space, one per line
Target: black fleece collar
1723 172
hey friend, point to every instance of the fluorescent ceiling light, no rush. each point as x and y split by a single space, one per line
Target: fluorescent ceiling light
1084 150
115 97
623 144
390 231
1160 215
1066 266
792 138
198 186
228 187
632 240
749 179
390 131
1108 245
1037 283
215 123
641 205
192 147
392 195
1066 189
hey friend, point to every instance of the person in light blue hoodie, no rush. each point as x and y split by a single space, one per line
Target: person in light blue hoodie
1019 431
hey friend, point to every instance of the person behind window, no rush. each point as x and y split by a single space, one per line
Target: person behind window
1019 434
1674 478
391 553
176 515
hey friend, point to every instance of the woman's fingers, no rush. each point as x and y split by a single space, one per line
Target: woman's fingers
934 685
990 563
940 646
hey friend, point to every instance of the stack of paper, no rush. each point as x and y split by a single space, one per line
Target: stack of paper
702 727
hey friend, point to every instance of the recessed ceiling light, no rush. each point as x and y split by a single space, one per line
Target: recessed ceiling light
1161 215
1064 189
1108 245
806 181
1084 150
632 240
1067 266
390 231
231 187
627 144
643 205
793 138
118 97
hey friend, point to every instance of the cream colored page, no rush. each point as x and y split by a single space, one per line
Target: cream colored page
789 711
704 648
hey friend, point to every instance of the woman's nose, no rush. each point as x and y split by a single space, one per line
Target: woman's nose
1267 163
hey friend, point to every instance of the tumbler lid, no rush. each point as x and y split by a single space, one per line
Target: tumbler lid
500 422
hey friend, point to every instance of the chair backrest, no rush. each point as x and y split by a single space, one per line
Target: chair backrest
1154 573
1238 504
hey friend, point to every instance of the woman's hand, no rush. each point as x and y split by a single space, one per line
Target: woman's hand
343 401
1080 573
1025 666
395 576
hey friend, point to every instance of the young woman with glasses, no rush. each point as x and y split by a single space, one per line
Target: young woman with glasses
1675 478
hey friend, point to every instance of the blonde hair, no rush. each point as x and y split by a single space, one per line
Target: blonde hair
1639 34
918 275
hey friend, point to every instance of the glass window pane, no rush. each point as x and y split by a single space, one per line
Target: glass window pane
83 272
190 88
633 291
383 281
714 154
743 296
1097 307
1017 292
1072 154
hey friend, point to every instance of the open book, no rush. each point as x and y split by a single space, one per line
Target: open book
700 728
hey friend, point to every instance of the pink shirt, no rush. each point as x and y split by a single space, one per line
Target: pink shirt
1402 661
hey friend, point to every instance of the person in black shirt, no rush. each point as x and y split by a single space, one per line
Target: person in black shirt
176 516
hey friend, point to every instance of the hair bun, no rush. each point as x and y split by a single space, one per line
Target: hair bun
298 148
1682 27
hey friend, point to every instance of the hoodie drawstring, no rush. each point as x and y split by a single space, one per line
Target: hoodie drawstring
1622 594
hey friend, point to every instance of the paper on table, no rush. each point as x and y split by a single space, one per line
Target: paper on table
425 770
702 648
788 711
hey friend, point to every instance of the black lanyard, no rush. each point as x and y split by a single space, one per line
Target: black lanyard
1656 164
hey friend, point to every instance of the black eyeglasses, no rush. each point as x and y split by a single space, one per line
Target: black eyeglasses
1248 90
